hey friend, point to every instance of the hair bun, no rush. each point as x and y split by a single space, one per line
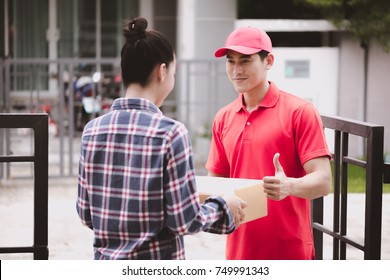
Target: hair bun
135 29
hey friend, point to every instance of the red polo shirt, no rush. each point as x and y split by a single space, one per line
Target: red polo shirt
243 146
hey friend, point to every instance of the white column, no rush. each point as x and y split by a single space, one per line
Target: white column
186 29
146 11
52 36
203 25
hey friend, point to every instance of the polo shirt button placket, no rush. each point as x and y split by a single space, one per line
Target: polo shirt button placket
248 130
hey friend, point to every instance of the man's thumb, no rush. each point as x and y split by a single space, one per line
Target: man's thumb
278 166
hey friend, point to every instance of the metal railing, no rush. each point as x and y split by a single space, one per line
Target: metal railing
39 124
194 100
377 172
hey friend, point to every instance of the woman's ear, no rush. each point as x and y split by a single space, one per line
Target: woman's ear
162 72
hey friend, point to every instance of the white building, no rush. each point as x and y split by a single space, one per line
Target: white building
330 75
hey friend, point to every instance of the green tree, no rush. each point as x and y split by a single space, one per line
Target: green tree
366 19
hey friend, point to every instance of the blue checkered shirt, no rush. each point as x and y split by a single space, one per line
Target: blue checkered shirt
136 185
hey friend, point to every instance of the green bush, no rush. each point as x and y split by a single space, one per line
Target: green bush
357 180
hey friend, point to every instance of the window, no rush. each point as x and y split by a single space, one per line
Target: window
297 69
77 24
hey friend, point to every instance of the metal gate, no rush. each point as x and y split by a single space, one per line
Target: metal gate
39 124
377 173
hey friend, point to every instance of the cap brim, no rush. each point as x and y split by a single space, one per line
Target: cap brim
241 49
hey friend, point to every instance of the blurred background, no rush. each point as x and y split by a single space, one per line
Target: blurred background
62 57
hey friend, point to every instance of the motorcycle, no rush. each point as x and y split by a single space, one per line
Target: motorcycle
86 101
93 96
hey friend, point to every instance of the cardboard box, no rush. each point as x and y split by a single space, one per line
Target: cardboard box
248 190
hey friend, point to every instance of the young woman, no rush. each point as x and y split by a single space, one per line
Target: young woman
136 186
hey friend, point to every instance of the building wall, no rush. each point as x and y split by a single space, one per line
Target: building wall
203 25
351 88
351 80
351 85
198 27
378 99
202 28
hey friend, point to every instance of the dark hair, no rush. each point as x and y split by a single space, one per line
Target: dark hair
142 51
263 54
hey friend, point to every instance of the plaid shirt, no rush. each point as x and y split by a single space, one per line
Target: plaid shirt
136 185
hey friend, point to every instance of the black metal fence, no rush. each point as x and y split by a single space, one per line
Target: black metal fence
377 173
39 124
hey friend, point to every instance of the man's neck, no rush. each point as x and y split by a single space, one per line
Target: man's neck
254 98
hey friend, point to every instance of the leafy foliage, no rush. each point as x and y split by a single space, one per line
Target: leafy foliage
366 19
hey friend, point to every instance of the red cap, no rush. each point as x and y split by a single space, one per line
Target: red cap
246 40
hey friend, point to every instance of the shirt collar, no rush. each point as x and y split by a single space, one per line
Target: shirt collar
135 103
270 99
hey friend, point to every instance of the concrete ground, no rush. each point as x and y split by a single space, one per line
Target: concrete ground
69 240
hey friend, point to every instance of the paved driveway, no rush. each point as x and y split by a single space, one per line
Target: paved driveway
69 240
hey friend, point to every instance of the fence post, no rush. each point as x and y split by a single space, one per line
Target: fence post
40 124
377 172
374 190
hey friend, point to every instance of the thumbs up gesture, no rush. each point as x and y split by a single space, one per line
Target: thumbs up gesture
277 187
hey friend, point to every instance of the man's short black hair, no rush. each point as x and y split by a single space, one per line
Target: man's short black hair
263 54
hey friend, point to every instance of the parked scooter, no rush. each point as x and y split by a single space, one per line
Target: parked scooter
87 103
93 96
